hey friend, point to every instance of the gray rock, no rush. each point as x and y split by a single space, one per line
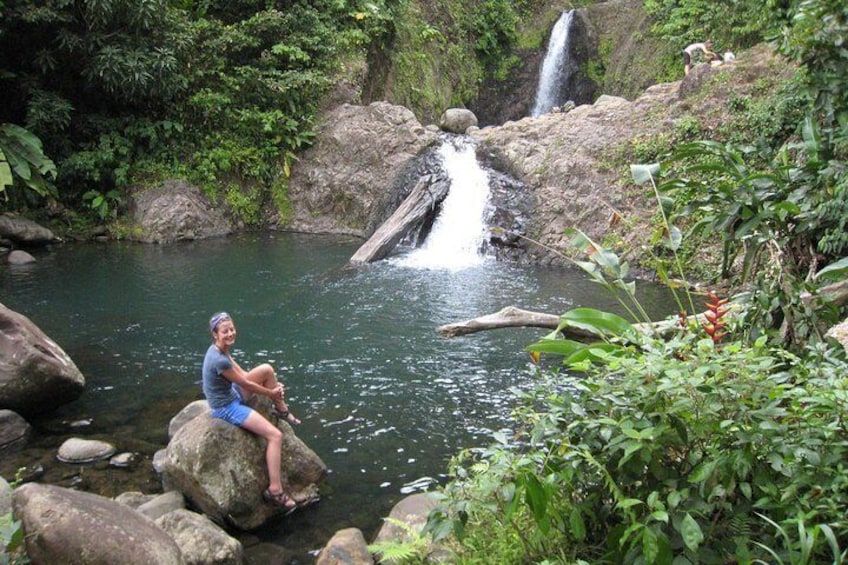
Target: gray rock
190 412
201 541
14 431
36 375
457 120
5 497
78 451
134 499
20 257
221 469
346 182
22 230
124 460
73 527
413 511
175 211
160 505
346 547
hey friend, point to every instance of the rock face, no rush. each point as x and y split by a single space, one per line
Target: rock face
23 231
36 375
564 159
68 526
175 211
343 184
221 469
14 431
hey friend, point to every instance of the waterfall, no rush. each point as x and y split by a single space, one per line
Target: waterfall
550 77
460 229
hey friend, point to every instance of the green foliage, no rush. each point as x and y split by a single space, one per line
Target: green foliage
11 541
218 91
412 548
105 205
663 454
21 156
815 37
734 26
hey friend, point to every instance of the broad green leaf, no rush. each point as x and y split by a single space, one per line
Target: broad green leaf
578 526
537 499
628 503
597 321
564 347
691 532
6 178
834 271
650 547
644 173
703 471
675 238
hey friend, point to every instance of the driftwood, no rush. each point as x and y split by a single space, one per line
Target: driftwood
421 201
512 317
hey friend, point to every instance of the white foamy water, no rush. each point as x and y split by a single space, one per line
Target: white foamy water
460 229
550 77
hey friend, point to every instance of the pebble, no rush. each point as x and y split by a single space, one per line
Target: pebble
77 450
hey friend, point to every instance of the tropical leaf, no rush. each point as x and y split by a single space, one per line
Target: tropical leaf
596 321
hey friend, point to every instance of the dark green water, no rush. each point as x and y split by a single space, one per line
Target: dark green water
385 401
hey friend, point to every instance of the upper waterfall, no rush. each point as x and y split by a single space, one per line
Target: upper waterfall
550 76
460 229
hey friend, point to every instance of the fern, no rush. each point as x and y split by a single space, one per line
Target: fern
411 547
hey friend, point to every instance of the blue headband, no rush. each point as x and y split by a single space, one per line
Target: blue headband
217 319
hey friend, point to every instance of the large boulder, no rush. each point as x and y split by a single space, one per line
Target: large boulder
346 547
14 431
200 540
347 181
68 526
24 231
175 211
457 120
221 469
36 375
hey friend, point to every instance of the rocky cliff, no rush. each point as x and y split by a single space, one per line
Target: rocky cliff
574 166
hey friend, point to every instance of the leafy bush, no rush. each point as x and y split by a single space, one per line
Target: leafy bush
662 454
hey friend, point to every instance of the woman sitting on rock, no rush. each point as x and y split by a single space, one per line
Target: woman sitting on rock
227 386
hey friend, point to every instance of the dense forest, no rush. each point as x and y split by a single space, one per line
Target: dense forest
723 439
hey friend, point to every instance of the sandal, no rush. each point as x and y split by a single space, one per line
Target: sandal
287 416
280 499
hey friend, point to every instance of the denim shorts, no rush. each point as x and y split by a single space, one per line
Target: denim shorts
235 412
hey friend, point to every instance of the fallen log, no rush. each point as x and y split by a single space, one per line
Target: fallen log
413 210
512 317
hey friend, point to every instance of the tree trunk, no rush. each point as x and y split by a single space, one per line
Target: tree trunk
422 201
512 317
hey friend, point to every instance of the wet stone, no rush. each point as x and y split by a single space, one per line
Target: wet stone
77 450
124 460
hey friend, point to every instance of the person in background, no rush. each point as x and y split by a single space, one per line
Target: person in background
705 48
227 386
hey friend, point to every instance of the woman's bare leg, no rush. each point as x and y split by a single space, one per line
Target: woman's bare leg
258 425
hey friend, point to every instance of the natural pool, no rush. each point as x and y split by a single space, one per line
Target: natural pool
385 401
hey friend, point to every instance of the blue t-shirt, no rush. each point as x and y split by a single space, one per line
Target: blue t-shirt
218 390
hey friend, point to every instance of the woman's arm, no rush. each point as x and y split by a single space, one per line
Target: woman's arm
239 376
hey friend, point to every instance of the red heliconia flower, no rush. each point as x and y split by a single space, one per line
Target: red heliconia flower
714 326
